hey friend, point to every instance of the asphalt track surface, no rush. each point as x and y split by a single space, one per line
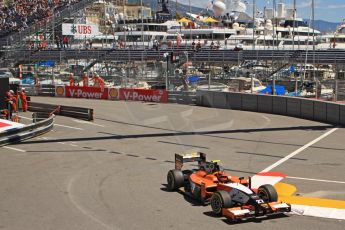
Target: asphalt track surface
111 173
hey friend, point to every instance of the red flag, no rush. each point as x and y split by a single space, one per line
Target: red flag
20 72
178 40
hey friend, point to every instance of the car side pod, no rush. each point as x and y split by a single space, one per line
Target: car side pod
245 212
203 194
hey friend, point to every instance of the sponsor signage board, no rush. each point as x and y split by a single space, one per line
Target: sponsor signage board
149 95
144 95
79 29
46 63
8 125
86 92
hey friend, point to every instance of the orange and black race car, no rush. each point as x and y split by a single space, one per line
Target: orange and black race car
230 196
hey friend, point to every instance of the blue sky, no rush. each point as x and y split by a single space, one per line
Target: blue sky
329 10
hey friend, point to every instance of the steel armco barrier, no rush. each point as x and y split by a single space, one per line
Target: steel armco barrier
43 118
26 132
68 111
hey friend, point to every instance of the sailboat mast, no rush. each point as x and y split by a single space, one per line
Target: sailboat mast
254 7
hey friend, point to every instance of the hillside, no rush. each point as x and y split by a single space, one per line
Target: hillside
324 26
172 6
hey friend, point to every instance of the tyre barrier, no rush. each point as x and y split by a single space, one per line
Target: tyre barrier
27 132
77 112
315 110
43 109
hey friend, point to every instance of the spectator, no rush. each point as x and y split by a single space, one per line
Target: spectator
9 102
90 43
57 41
65 42
20 14
198 46
193 45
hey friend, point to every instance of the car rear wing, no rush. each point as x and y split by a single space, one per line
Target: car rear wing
189 157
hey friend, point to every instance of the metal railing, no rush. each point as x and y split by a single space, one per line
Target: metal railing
221 56
26 132
68 111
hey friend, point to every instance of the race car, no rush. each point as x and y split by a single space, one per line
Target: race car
230 196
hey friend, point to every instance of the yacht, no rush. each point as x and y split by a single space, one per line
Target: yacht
227 31
334 40
283 36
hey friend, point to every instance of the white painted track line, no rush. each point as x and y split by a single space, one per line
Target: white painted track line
65 126
269 168
87 122
318 180
15 149
331 213
25 118
70 127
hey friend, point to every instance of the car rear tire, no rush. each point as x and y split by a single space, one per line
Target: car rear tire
268 193
220 199
175 179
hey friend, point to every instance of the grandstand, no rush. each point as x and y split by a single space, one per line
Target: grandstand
19 15
24 18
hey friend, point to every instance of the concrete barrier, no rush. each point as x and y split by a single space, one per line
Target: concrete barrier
322 111
220 100
307 109
234 101
207 99
265 103
342 114
293 107
250 102
279 105
333 113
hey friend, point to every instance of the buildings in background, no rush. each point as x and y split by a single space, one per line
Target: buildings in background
106 13
132 9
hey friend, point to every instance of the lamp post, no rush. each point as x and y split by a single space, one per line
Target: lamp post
313 26
294 25
166 56
190 7
274 33
142 23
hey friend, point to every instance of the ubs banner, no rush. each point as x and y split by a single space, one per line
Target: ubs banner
79 29
86 92
144 95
